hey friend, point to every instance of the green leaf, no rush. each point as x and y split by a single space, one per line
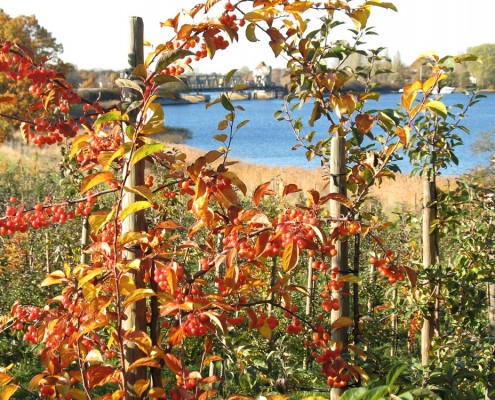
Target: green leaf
377 393
394 373
110 116
122 150
229 75
91 181
128 83
134 207
438 108
251 32
177 82
354 394
466 57
171 57
226 103
147 150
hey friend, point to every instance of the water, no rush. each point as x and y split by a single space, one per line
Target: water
267 141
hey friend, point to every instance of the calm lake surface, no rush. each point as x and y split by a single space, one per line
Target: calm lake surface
267 141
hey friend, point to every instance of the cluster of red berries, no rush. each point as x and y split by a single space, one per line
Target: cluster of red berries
26 314
294 327
196 324
97 143
330 304
387 267
47 390
185 188
84 207
271 321
334 368
173 271
18 220
44 82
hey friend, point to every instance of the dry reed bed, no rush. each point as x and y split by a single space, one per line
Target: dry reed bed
403 192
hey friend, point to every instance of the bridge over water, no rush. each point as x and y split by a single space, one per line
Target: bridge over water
218 82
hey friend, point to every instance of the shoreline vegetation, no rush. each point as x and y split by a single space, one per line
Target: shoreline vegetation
393 194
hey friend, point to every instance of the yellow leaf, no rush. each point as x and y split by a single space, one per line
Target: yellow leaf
130 237
137 295
298 6
7 392
143 191
5 378
342 322
91 181
403 134
54 278
76 394
314 398
265 331
94 356
382 4
351 278
290 257
90 275
127 284
140 386
78 143
277 397
134 207
360 17
144 362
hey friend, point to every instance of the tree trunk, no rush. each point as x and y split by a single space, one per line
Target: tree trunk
136 312
337 211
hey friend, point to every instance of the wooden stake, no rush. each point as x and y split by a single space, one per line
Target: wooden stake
430 255
337 210
136 312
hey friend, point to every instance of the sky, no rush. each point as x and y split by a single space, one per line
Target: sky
95 33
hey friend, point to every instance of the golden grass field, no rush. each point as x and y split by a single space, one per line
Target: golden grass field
403 192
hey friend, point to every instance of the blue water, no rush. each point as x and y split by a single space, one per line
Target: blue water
266 141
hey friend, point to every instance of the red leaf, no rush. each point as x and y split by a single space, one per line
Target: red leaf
260 191
173 362
290 188
98 375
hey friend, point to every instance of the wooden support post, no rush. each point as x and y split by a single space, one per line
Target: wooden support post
84 241
136 312
490 395
430 255
309 307
337 210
